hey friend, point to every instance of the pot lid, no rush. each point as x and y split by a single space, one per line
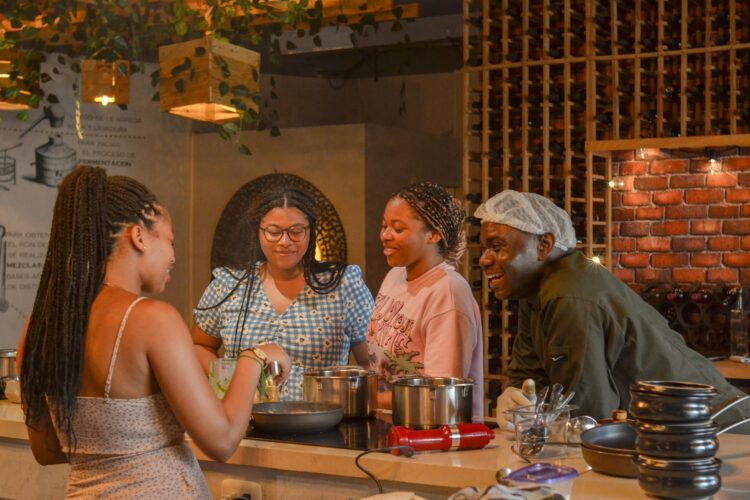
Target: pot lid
344 371
432 382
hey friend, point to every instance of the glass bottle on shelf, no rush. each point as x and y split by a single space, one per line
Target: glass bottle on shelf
738 333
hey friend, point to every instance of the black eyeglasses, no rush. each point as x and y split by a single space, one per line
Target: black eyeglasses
296 233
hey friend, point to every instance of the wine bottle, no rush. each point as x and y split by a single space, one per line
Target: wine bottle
604 119
676 295
701 296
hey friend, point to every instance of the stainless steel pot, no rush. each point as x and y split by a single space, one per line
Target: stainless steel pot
8 369
429 402
351 387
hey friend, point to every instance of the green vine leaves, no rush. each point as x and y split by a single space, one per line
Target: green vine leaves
133 30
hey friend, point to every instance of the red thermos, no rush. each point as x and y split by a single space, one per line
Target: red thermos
444 438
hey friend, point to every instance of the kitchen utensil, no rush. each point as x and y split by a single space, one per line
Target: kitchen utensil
296 416
351 387
8 369
610 449
429 402
444 438
537 426
273 370
577 425
671 401
677 440
679 478
554 398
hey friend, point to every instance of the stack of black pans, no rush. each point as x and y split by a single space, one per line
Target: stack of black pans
676 439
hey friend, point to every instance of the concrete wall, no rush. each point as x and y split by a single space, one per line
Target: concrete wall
162 151
331 158
356 167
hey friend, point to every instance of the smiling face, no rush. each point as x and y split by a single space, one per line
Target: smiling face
511 260
284 254
407 241
159 253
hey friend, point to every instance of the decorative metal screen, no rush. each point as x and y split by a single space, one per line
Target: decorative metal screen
232 239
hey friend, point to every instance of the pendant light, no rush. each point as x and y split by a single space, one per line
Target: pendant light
207 79
15 88
105 82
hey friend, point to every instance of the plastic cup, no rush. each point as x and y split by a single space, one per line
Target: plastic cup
220 373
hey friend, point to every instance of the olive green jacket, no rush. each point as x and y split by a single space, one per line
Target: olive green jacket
589 331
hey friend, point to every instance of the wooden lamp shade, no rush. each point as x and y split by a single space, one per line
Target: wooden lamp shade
199 79
13 68
105 82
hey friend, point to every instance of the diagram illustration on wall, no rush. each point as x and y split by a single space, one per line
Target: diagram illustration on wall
54 158
3 297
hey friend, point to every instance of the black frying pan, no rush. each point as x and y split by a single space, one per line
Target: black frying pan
296 416
610 449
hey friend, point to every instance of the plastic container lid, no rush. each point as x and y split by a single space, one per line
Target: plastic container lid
543 473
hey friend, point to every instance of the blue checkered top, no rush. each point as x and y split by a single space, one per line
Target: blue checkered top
316 330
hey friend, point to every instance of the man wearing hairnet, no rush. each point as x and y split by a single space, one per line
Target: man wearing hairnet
578 324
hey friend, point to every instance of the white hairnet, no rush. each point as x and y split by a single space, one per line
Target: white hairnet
531 213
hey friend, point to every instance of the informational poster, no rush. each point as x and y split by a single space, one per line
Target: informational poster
37 153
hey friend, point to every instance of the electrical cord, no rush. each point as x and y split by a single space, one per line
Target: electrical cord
408 451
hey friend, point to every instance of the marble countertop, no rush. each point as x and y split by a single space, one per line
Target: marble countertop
445 469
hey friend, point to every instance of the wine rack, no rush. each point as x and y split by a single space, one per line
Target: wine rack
552 86
701 315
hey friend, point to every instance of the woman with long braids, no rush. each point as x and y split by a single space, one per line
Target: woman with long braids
317 311
425 320
110 380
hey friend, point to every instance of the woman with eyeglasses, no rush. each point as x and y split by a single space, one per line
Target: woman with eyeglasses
317 311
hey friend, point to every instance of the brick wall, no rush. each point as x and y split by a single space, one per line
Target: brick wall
680 220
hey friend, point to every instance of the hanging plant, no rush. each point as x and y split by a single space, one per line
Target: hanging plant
133 30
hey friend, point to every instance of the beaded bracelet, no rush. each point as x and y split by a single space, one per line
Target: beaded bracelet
262 381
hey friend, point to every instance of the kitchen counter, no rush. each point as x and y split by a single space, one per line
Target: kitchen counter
286 469
733 369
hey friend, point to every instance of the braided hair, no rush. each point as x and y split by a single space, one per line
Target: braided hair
321 277
90 211
441 212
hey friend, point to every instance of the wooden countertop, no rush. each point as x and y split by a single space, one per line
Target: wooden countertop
733 369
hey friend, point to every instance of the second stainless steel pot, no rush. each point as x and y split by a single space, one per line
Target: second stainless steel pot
8 369
429 402
352 387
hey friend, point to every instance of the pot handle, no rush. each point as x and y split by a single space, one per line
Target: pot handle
728 427
727 405
353 384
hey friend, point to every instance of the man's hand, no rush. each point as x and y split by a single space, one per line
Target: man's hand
511 398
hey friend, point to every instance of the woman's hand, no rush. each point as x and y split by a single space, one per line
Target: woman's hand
276 353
